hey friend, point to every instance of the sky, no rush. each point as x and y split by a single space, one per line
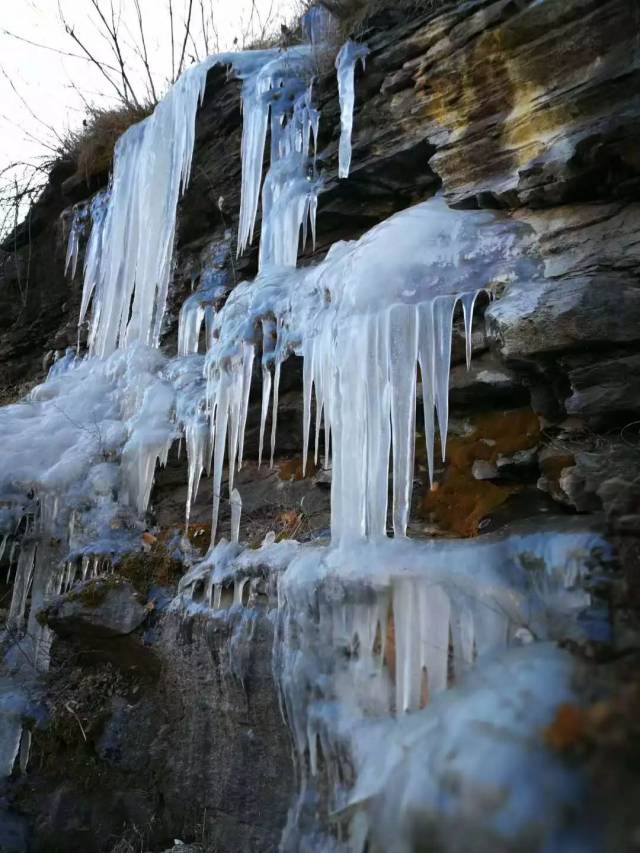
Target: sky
43 90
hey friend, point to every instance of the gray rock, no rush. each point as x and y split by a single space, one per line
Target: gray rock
102 607
580 239
486 384
606 478
605 386
538 318
483 470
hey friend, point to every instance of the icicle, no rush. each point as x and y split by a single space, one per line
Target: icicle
22 584
266 396
10 737
236 512
346 62
269 90
443 316
238 589
222 417
274 411
468 302
247 372
25 750
307 391
128 262
289 196
402 376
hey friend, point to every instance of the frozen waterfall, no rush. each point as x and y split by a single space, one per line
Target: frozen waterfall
386 649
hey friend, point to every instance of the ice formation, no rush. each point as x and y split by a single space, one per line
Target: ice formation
363 319
483 736
319 26
346 62
445 645
370 629
371 634
128 278
278 98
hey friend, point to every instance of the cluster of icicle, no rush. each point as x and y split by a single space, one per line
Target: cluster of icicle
127 276
364 320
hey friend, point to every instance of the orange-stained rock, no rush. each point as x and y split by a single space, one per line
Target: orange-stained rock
460 502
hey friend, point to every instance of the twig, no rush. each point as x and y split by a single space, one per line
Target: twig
73 713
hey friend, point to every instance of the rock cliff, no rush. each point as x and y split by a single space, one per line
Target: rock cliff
166 725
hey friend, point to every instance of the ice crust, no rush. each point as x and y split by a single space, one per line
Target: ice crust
369 635
473 764
346 62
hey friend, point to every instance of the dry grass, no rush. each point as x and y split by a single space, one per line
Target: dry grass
91 148
353 14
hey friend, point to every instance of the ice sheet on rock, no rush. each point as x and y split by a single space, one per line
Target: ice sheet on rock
12 706
228 564
478 594
473 762
200 307
80 219
289 195
380 629
346 62
65 443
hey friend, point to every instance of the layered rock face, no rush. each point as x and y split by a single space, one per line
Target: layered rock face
163 725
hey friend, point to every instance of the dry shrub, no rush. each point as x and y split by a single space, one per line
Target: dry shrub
91 148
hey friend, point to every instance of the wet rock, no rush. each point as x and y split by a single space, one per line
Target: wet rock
102 607
605 387
232 773
486 384
482 470
606 478
519 100
534 319
519 466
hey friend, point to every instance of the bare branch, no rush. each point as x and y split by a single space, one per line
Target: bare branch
66 53
143 52
122 95
187 28
173 44
25 104
112 32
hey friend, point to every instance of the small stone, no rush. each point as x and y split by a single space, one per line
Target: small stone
483 470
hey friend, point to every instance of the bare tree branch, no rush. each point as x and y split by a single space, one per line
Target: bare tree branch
122 95
112 32
173 43
187 27
66 53
143 52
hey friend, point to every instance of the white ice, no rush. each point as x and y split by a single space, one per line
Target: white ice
346 62
364 319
